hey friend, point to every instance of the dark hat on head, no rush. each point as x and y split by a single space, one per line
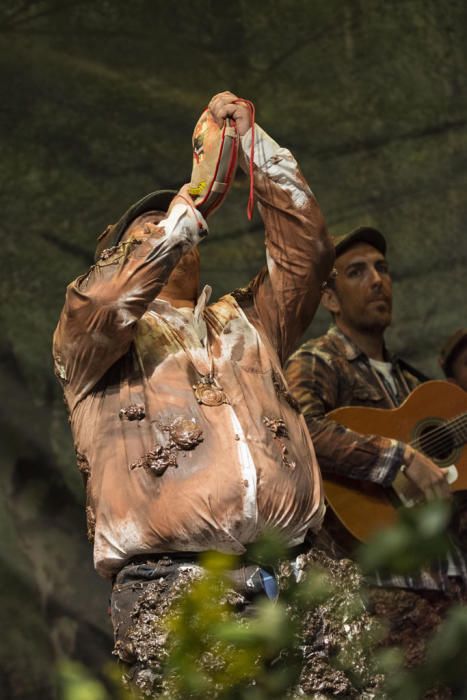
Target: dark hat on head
154 201
362 234
451 347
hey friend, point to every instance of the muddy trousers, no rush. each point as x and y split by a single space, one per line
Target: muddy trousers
143 594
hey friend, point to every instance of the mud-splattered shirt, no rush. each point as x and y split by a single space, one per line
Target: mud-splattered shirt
330 372
166 473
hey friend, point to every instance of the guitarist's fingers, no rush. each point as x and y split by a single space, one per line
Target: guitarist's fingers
444 489
430 494
428 477
442 485
440 490
433 493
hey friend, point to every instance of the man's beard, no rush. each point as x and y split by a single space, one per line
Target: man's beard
375 323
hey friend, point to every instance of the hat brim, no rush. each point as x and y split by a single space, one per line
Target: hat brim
364 234
154 201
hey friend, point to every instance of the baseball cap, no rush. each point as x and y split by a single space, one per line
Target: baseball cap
362 234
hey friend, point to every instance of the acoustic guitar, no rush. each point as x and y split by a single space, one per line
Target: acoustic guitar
433 419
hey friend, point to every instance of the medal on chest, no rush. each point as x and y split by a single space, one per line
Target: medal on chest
207 389
209 393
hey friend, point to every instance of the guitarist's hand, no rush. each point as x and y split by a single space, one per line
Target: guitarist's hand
426 475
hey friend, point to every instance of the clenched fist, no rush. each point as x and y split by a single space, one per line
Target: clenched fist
224 105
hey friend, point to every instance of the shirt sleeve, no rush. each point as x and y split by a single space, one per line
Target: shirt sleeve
98 320
340 451
299 252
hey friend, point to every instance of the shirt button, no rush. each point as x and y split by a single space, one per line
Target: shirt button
237 436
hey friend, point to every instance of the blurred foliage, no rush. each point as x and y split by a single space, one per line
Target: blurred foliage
418 537
215 653
444 664
75 683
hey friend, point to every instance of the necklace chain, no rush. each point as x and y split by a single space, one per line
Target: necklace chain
207 390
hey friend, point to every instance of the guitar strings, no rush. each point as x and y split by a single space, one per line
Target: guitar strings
437 437
451 424
430 449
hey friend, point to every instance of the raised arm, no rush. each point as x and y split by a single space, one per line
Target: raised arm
98 320
299 251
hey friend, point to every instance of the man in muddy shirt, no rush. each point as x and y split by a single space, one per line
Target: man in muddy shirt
185 433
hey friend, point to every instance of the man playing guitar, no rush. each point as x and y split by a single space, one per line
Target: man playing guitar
351 366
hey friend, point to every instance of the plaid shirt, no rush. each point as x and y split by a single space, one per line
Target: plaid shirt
330 372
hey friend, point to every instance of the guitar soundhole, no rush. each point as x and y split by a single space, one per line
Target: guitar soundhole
435 441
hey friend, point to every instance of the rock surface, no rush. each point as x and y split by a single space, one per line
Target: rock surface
98 107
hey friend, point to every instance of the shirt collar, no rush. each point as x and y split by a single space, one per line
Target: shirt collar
203 301
165 308
183 321
352 351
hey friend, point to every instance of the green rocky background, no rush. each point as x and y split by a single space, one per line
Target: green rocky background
98 104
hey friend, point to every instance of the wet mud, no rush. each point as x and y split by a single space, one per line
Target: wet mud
183 434
280 431
334 635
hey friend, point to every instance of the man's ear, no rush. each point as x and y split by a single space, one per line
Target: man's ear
330 301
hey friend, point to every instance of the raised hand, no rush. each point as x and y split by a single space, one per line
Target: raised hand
224 105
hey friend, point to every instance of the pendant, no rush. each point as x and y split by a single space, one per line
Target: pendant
209 393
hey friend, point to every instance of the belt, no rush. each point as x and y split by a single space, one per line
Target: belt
246 576
196 557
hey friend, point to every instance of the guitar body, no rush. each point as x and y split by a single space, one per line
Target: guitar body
364 508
